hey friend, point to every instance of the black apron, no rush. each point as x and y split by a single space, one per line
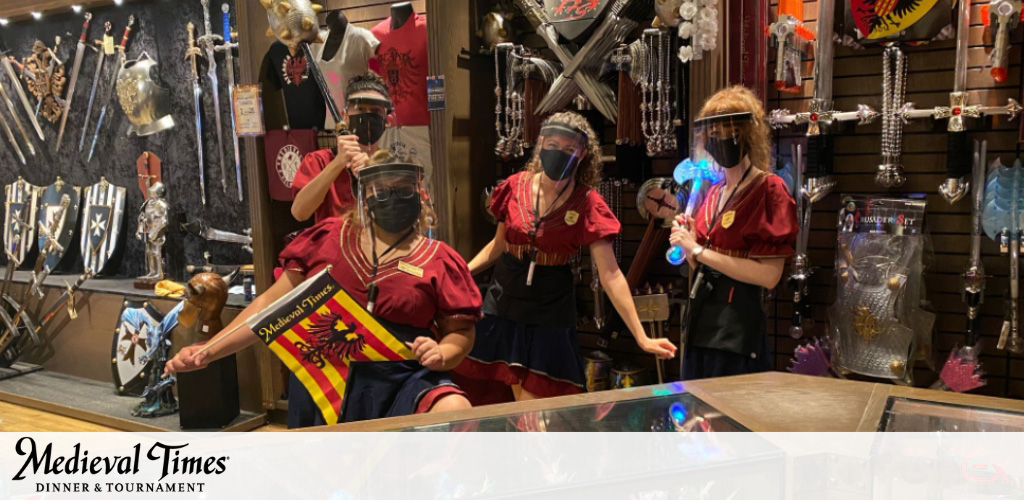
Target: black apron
550 301
727 314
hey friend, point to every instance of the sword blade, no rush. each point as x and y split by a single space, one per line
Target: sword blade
96 134
17 121
234 123
79 55
214 86
92 99
24 98
197 92
10 137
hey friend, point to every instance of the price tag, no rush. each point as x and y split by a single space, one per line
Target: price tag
108 45
248 111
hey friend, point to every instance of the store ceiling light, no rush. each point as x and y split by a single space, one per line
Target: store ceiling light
77 9
118 2
37 15
3 21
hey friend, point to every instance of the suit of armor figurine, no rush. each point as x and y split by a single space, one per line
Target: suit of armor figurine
153 230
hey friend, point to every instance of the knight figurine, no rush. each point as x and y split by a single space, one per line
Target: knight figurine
153 231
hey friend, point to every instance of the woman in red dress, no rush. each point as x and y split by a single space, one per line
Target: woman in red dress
424 292
527 339
738 241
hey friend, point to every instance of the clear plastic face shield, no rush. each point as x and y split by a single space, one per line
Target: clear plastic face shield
723 137
562 149
389 196
367 116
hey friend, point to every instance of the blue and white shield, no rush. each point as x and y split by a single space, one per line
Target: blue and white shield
19 219
137 328
102 218
64 228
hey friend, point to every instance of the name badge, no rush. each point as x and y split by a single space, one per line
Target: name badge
571 217
728 218
405 267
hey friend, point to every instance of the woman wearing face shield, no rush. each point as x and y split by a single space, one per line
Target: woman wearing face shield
528 338
323 184
736 243
417 287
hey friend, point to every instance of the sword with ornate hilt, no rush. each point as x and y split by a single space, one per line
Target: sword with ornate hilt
208 42
10 137
1006 15
801 273
13 262
107 28
49 234
67 299
193 53
820 114
974 277
122 57
79 55
5 61
228 47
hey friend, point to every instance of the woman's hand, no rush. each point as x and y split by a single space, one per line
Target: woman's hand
428 353
684 235
662 348
188 359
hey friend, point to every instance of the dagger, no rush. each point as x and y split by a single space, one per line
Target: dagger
113 86
79 54
229 59
197 92
6 62
209 43
107 27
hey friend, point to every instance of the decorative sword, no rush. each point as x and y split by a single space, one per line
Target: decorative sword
79 55
49 72
10 136
122 49
107 28
958 165
17 121
802 270
197 91
974 278
209 44
228 47
6 62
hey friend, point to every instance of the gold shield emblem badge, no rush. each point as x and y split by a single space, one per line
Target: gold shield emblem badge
571 217
728 218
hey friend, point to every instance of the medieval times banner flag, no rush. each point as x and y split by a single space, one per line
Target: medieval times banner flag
317 330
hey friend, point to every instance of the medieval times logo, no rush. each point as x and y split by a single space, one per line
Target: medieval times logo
289 158
93 472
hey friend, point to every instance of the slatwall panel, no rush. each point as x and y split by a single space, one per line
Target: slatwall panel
857 80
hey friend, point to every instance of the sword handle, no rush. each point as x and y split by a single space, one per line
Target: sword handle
227 22
206 19
127 32
190 52
85 27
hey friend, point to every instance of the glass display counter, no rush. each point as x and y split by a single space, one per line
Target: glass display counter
911 415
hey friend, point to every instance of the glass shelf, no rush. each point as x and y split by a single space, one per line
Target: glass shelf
913 415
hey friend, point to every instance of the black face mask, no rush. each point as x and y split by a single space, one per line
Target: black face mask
726 152
394 214
368 127
558 165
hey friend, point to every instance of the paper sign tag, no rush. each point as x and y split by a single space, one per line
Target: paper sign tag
248 111
108 45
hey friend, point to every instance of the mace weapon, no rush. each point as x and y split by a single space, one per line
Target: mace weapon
6 63
79 55
122 49
107 27
228 47
209 44
197 92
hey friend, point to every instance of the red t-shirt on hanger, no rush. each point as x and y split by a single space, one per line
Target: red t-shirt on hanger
403 63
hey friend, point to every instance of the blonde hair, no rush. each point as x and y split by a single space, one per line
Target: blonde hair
428 218
588 173
738 99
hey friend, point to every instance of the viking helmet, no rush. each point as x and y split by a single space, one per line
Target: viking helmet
146 104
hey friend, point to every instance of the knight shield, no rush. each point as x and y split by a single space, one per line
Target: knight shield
573 18
64 229
103 217
137 327
19 219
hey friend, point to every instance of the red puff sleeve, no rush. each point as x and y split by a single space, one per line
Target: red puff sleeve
773 234
598 220
458 297
501 196
311 250
311 166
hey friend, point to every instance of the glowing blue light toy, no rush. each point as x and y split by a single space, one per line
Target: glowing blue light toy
702 176
678 413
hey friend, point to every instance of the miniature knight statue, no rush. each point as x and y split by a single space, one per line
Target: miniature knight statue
153 230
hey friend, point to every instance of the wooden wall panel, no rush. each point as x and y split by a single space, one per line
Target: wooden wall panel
857 80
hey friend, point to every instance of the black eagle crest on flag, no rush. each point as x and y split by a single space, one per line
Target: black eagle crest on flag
884 18
331 339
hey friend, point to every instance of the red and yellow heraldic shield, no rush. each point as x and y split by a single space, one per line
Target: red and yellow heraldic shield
317 330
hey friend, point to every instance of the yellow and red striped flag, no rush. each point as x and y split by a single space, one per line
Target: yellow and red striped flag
317 329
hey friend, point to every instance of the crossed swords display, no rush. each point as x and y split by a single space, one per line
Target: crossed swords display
211 43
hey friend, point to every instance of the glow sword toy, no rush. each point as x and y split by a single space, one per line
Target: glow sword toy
107 27
6 63
79 55
113 86
229 59
209 43
197 91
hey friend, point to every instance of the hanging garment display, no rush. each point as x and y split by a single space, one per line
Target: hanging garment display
1004 16
356 46
136 332
19 221
1001 220
45 78
284 151
49 207
122 58
102 221
873 321
402 62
